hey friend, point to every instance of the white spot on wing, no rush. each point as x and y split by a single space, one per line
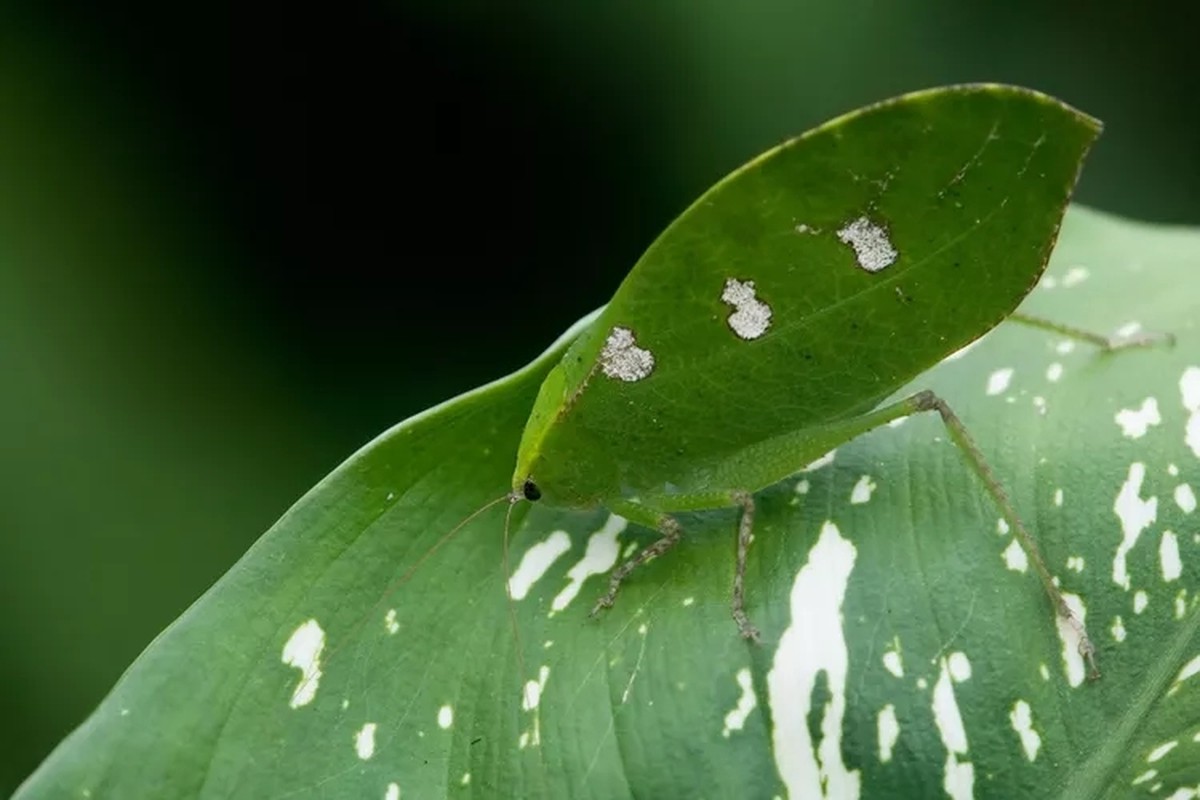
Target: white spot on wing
751 317
598 558
870 242
364 741
1136 515
536 561
303 651
735 720
622 359
889 732
1135 422
1021 718
1168 557
814 643
959 780
998 381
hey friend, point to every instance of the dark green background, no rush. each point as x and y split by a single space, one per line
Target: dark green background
235 243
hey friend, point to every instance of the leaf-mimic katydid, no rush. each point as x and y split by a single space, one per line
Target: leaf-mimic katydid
770 322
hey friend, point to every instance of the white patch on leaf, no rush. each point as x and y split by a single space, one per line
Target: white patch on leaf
1136 515
1140 601
1118 629
814 643
1185 498
598 558
1189 390
735 720
1074 277
823 461
1157 753
960 666
1054 372
1021 718
959 780
1135 422
532 696
1014 557
1190 669
445 717
303 651
998 381
364 741
1168 557
536 562
1069 636
889 731
862 491
893 663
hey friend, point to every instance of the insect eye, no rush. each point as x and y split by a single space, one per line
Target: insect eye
531 491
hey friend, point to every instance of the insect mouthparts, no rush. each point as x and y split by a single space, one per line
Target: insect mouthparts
531 491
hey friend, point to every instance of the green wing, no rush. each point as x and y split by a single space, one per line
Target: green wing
813 282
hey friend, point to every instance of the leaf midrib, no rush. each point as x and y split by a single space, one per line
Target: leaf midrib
1092 777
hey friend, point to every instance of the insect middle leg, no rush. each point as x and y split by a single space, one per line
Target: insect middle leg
671 532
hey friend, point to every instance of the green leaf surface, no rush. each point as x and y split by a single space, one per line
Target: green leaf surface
908 650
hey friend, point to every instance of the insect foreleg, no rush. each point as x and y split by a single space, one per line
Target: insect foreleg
671 533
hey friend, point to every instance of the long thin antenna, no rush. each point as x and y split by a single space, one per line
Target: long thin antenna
408 573
512 603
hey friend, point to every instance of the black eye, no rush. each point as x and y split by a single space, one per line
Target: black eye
531 491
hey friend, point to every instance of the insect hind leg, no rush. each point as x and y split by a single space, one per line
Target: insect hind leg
1106 344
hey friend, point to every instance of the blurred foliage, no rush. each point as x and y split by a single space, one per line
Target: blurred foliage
236 242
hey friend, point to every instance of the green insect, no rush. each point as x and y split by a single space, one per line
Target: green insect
768 324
